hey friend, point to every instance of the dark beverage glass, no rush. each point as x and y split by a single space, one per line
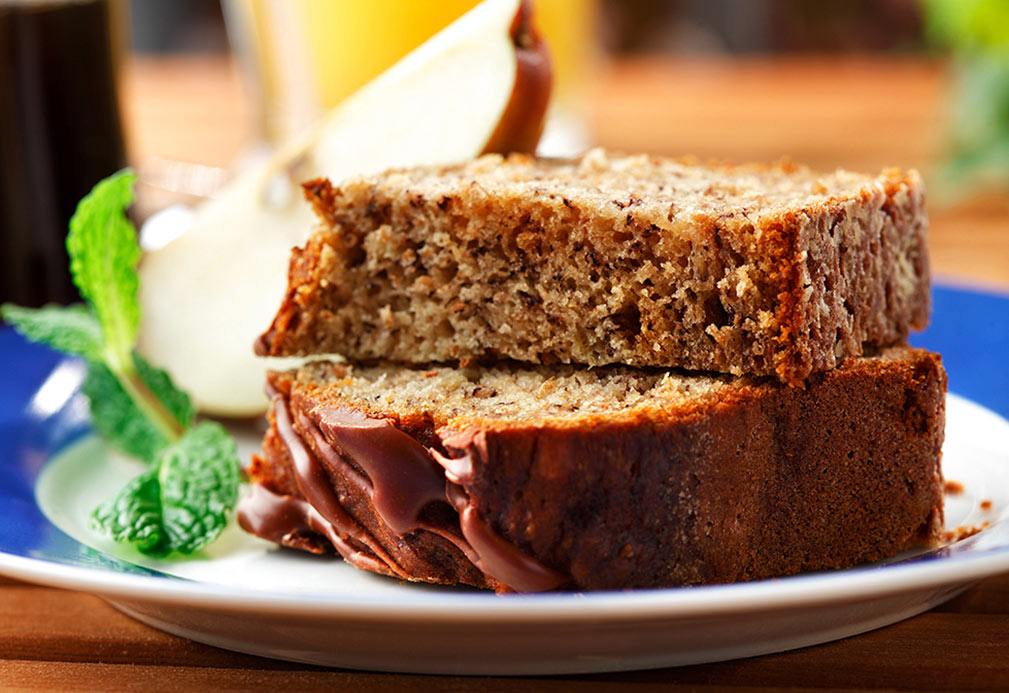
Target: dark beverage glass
60 133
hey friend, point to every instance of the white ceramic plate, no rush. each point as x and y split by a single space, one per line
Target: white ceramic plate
243 594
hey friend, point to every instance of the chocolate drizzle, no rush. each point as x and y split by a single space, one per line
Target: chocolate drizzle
328 516
401 477
274 517
459 470
286 519
495 556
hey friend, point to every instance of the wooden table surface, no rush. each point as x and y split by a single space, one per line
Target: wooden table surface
857 113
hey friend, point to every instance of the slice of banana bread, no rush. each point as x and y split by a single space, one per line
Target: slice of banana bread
766 270
534 478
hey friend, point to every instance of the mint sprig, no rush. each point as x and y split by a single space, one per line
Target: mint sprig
198 479
103 249
183 501
186 498
70 329
118 419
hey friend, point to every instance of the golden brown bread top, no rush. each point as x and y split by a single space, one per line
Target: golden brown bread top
671 193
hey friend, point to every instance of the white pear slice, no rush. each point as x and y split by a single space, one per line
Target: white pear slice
482 84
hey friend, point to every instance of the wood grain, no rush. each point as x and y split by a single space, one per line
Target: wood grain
858 113
50 639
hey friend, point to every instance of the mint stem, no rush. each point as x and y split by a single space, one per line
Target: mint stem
148 403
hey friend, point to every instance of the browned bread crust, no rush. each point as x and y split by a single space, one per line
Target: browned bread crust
765 270
680 480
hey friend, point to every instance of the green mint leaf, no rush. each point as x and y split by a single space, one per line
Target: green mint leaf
184 503
175 401
104 251
134 516
118 419
199 478
70 329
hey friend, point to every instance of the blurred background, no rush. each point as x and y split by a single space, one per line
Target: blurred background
860 84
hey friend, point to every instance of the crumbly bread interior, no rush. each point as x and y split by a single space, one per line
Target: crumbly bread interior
508 392
513 393
636 260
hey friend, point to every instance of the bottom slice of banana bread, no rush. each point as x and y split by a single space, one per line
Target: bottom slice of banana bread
537 478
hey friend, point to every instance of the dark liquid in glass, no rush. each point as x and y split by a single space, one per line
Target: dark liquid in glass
60 133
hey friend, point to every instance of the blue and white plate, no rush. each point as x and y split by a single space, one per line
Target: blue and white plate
244 594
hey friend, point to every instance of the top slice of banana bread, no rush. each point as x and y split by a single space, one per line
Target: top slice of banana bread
646 261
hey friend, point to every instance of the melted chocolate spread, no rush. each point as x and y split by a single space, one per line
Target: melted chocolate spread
272 516
495 556
281 518
403 476
327 516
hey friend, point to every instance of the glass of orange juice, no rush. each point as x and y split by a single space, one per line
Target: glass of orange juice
305 56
